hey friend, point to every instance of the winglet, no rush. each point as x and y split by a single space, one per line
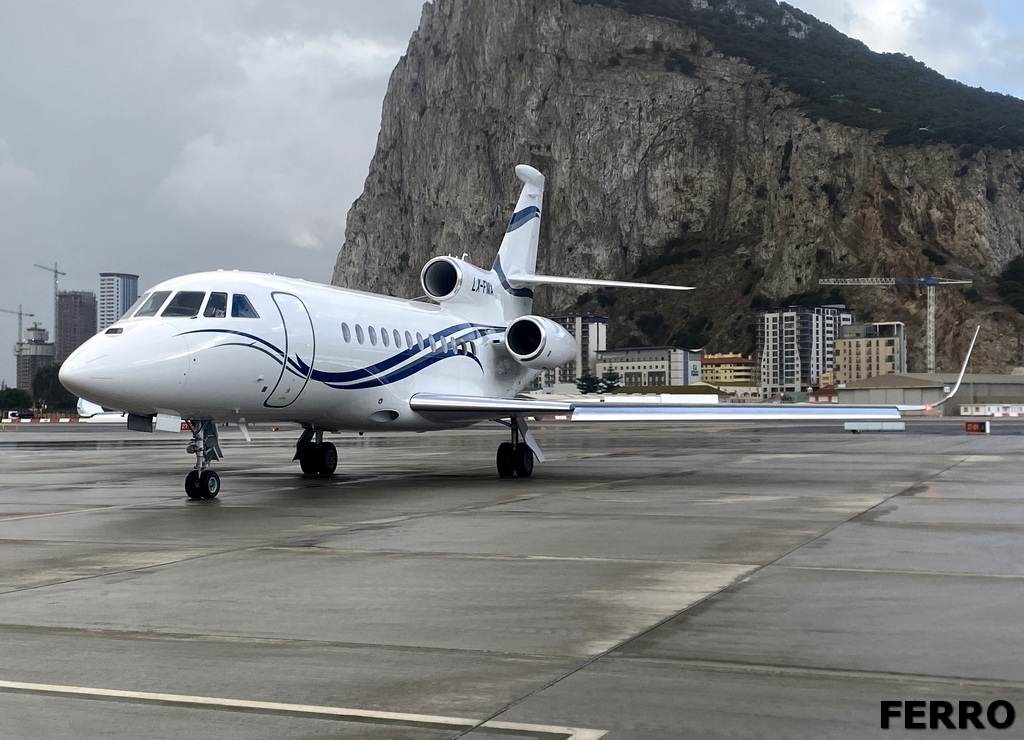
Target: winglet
956 387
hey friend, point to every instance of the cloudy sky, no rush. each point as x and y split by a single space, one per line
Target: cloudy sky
171 136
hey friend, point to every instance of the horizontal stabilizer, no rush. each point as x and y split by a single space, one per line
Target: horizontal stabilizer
524 279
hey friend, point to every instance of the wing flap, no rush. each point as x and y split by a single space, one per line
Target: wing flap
442 407
735 412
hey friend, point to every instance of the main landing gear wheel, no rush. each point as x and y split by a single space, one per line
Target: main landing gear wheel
316 457
524 460
515 458
326 459
506 460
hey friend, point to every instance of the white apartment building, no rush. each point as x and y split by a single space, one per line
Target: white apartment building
795 345
118 291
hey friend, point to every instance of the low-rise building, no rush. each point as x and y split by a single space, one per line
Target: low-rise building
639 367
727 369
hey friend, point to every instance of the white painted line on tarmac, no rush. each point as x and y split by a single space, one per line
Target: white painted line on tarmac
549 732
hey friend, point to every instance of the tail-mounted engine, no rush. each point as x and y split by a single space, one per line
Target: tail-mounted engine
447 279
539 343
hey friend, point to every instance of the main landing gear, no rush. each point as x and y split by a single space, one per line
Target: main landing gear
315 456
515 457
203 483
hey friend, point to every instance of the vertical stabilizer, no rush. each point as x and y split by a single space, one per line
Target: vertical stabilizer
518 252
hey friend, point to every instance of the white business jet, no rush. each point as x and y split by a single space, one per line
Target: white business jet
246 347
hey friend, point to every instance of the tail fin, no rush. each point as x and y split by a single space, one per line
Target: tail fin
518 252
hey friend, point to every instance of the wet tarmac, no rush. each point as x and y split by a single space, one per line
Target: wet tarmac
658 581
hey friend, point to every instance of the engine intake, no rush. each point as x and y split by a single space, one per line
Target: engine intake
539 343
451 279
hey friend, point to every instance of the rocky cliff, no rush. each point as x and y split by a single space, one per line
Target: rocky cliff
669 161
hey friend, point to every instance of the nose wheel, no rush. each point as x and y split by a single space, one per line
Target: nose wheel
203 483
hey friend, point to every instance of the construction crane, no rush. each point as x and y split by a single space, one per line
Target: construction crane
20 314
56 284
929 284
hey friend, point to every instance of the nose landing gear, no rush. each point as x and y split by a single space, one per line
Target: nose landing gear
203 483
315 456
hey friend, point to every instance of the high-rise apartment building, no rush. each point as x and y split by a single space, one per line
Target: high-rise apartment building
118 291
76 320
868 350
795 345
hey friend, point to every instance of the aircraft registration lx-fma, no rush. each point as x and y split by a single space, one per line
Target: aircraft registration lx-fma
247 347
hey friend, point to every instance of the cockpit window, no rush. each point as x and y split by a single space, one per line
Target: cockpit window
217 306
185 304
241 308
135 306
152 304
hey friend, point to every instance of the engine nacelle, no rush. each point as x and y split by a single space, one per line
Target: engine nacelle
449 279
539 343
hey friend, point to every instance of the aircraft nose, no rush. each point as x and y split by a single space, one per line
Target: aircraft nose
141 368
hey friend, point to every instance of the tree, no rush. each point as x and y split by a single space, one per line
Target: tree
49 393
588 384
610 381
13 399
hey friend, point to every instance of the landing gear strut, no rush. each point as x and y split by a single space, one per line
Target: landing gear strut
515 457
203 483
315 456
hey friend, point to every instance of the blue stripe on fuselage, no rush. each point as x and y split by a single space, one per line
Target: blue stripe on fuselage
387 371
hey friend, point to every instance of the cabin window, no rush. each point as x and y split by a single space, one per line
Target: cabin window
408 340
241 308
373 335
398 338
384 337
153 303
345 333
185 304
472 348
359 333
433 345
217 306
419 341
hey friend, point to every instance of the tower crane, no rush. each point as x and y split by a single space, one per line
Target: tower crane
56 284
929 284
20 314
